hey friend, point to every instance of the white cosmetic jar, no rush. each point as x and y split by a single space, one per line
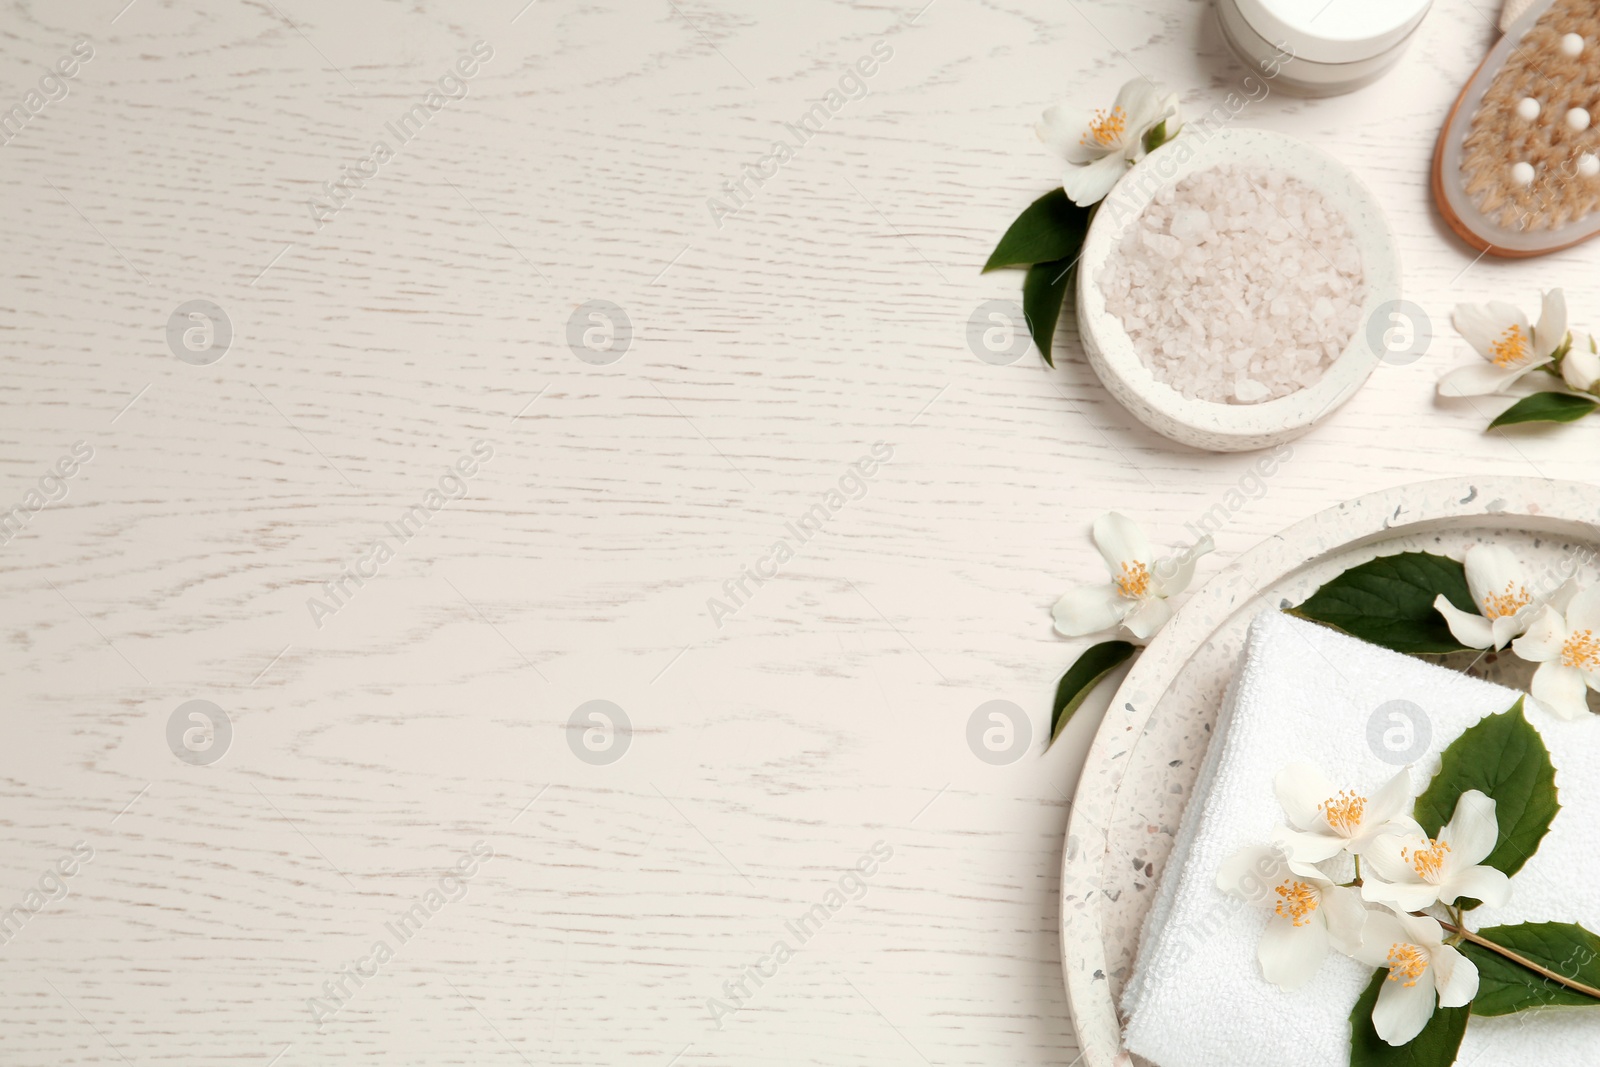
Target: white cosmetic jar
1320 47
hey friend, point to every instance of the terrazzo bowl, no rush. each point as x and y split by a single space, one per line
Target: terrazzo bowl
1236 427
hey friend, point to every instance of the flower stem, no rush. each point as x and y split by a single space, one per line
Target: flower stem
1358 870
1573 984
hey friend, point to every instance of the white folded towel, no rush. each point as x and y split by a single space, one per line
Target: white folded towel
1305 694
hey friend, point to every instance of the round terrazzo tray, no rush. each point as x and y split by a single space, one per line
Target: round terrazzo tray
1147 751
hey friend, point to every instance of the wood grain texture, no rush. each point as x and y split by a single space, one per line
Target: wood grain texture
768 353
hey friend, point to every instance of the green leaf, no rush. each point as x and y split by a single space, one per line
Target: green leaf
1389 601
1051 228
1436 1046
1566 346
1504 756
1505 986
1043 291
1155 136
1546 407
1089 671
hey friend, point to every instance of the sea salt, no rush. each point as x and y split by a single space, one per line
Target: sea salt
1237 285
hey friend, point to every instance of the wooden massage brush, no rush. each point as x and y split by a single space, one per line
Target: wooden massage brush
1516 171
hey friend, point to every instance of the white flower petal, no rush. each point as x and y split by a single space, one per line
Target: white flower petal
1290 954
1455 976
1584 611
1580 368
1304 870
1120 541
1490 569
1169 114
1301 790
1422 930
1480 379
1471 630
1089 609
1171 575
1481 325
1552 329
1543 639
1166 112
1147 617
1063 127
1346 917
1141 104
1401 826
1506 627
1089 184
1563 596
1393 799
1493 572
1403 896
1309 847
1480 883
1472 830
1561 690
1403 1010
1382 929
1384 859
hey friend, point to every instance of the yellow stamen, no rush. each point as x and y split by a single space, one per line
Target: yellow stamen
1344 811
1582 651
1500 605
1134 581
1297 901
1106 129
1511 348
1407 962
1427 861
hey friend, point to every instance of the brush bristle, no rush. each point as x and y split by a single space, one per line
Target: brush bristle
1500 138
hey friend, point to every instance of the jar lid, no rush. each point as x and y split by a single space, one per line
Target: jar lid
1333 31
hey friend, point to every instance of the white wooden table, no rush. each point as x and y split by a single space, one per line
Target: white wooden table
377 740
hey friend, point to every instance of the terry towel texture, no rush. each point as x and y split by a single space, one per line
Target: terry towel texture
1306 694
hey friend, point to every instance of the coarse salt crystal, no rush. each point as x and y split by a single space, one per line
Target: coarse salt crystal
1190 222
1237 286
